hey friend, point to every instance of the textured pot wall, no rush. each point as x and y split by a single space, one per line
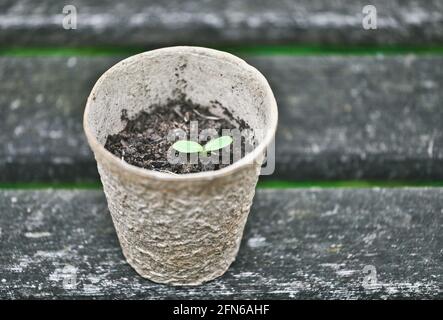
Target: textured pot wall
179 233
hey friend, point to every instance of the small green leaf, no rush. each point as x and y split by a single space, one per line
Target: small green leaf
186 146
218 143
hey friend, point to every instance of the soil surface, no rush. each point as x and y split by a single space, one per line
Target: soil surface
147 138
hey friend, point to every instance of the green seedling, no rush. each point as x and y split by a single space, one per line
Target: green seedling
187 146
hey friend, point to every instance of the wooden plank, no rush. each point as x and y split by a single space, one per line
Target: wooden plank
213 22
370 117
358 118
298 244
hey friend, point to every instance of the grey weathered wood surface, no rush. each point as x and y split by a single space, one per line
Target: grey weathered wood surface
368 117
156 22
297 244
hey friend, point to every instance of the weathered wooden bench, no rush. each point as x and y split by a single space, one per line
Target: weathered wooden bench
354 209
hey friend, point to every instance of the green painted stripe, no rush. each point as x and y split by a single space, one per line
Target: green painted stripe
279 184
50 185
293 50
82 51
334 50
266 184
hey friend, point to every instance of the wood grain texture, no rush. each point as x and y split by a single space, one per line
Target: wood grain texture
213 22
297 244
368 117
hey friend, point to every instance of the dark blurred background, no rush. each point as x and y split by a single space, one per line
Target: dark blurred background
212 22
358 83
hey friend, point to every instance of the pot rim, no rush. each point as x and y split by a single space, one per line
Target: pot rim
101 152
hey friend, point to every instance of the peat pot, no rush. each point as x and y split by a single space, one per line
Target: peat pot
179 229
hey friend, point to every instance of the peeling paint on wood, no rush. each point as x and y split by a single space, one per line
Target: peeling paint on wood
159 23
293 247
340 117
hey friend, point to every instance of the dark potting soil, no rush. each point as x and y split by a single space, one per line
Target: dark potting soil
144 140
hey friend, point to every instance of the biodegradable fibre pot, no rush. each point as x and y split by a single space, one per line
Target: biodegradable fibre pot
179 229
